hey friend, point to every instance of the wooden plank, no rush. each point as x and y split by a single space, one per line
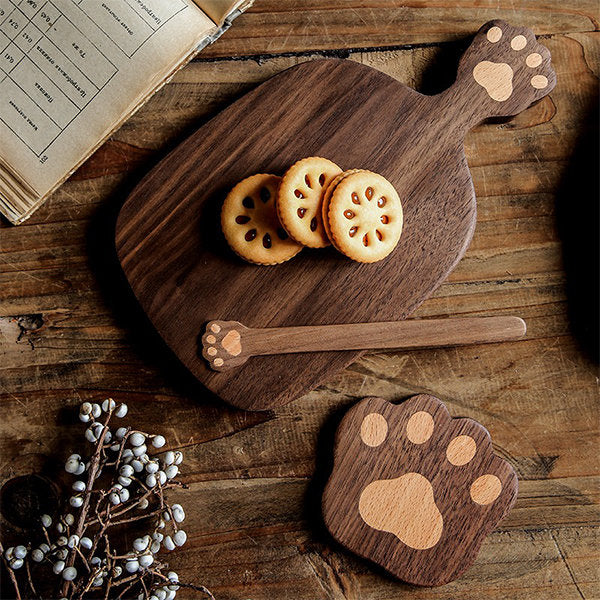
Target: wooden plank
276 26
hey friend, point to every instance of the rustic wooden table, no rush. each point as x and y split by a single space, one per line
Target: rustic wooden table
70 329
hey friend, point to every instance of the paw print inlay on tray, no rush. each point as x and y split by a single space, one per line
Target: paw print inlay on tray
516 63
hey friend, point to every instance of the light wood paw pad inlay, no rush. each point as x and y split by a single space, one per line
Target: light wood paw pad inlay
415 490
222 344
512 62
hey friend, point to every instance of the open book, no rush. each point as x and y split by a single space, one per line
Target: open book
72 71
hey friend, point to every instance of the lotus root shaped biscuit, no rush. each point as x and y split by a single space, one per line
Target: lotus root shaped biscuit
327 198
250 223
300 199
365 217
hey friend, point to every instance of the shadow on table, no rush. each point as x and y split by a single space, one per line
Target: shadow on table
578 220
120 299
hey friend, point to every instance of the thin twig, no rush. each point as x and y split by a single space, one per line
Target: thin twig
84 559
30 580
93 470
11 573
198 588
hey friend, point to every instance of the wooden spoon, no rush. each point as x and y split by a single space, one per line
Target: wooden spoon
227 344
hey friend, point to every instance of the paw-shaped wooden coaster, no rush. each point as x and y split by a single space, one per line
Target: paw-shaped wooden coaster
415 490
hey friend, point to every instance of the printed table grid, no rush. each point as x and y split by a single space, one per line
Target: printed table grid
42 88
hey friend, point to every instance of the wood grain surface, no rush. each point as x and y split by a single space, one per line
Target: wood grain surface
173 254
70 330
415 490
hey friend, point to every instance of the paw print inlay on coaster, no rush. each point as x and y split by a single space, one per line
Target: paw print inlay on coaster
415 490
511 62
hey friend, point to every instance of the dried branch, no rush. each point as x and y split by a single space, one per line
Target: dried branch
11 573
80 552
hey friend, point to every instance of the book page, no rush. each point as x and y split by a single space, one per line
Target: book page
72 69
219 10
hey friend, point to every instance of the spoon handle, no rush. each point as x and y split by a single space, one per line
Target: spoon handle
227 344
392 335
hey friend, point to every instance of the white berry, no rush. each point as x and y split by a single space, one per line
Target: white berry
121 410
132 566
126 470
168 543
121 433
180 537
137 439
152 467
158 441
16 563
178 515
72 465
86 543
139 451
137 465
79 486
58 566
76 501
174 578
108 405
146 560
90 436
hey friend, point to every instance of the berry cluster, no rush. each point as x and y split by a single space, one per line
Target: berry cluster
123 481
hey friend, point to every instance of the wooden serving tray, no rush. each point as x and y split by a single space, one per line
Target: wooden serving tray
174 255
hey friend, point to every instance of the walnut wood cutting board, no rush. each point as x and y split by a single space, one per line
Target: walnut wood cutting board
174 255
